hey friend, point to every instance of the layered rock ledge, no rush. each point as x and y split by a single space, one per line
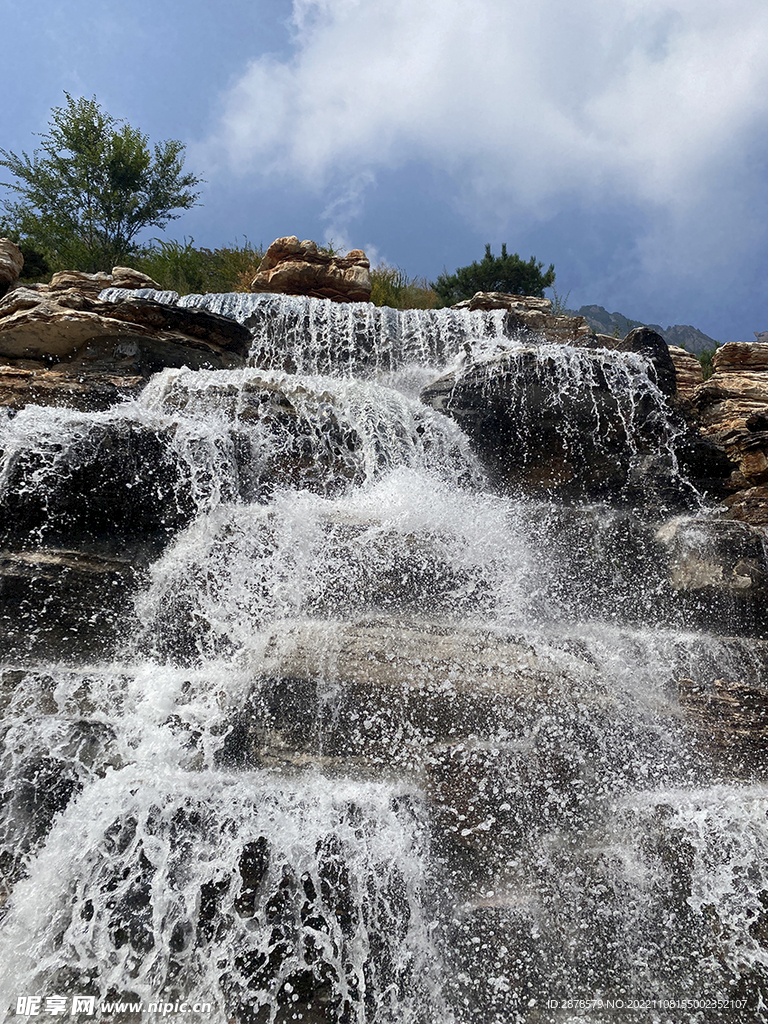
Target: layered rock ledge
61 345
731 408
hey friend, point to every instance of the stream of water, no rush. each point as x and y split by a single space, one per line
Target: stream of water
378 742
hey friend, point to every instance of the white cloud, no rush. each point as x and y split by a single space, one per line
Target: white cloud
529 105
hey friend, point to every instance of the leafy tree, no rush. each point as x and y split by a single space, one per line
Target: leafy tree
93 186
503 273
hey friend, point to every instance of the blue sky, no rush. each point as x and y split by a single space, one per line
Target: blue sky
625 141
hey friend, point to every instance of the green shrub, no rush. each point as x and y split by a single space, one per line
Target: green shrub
394 288
705 358
182 268
505 273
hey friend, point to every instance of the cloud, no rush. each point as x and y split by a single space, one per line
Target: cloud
528 106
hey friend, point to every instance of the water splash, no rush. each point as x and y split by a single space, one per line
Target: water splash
382 746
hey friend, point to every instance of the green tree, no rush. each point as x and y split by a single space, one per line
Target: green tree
503 273
93 186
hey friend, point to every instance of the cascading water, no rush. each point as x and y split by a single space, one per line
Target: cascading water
374 742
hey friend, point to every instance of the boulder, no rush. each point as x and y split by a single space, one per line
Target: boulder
110 487
11 262
130 337
563 419
530 315
648 343
79 281
736 356
732 408
718 572
92 285
291 267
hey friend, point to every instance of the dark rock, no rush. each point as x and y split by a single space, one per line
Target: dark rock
64 605
110 487
704 461
571 424
648 343
730 719
87 392
718 573
403 688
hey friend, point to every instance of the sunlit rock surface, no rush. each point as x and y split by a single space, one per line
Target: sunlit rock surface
134 336
688 370
291 267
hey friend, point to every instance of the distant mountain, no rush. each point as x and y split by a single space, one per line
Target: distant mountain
600 320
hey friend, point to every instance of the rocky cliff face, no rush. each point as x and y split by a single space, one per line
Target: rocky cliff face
732 409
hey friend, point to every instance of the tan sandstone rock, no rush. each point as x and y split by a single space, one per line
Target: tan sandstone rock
688 370
99 349
11 262
531 314
291 267
92 285
733 409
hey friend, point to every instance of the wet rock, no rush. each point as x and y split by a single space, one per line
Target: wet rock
87 392
505 968
130 337
730 718
403 688
64 605
282 432
115 488
45 762
568 422
718 572
351 565
703 460
648 343
749 506
291 267
11 263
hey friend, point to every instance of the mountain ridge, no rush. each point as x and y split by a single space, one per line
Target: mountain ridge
684 335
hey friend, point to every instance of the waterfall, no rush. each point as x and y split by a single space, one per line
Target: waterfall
307 718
